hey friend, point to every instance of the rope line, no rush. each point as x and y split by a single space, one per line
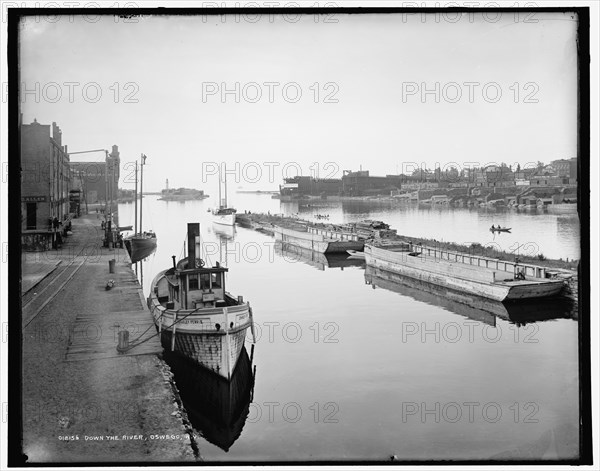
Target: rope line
168 328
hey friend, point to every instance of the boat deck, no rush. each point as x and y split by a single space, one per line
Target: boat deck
476 272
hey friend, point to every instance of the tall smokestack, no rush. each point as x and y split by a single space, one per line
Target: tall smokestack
193 236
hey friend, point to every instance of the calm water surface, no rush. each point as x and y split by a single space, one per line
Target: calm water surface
353 366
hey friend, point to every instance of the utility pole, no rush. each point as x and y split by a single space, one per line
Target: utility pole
112 189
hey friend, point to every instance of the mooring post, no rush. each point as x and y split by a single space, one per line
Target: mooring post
123 341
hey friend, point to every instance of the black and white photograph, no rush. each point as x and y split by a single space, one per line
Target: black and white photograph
306 233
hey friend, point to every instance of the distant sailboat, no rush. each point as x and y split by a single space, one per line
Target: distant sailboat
140 241
223 215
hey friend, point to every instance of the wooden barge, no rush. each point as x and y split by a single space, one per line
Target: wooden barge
468 305
481 276
319 240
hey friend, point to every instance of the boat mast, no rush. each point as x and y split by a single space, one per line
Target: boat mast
225 185
135 195
142 188
220 200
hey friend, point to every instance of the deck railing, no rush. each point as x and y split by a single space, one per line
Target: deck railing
484 262
331 234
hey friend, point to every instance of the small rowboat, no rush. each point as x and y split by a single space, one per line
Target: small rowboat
356 254
500 229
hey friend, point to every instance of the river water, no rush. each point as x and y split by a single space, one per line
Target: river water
352 364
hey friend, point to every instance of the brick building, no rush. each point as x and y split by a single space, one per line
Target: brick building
360 183
45 185
95 186
566 168
494 176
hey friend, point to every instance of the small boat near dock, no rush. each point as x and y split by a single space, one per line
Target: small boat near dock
356 254
223 214
194 313
490 278
140 241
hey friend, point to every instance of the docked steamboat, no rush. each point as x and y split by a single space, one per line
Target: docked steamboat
195 315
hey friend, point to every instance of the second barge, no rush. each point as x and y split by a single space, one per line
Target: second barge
486 277
319 240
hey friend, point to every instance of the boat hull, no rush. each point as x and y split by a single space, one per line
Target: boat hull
211 337
140 245
316 242
356 254
461 277
224 219
216 353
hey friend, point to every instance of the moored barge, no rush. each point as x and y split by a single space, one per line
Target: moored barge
486 277
319 240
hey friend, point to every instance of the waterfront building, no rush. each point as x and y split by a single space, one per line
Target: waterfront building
360 183
566 168
419 185
46 182
494 176
99 179
308 186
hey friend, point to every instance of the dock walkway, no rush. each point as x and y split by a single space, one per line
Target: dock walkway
82 400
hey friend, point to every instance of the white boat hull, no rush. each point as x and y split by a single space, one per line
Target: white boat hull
224 219
212 337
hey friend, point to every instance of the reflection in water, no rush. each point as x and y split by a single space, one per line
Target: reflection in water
138 255
318 260
363 385
471 306
224 233
217 408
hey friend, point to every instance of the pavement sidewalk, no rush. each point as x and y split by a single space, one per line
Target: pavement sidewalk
34 269
117 409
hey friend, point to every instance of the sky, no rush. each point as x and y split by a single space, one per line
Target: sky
274 96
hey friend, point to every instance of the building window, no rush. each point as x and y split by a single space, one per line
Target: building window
31 216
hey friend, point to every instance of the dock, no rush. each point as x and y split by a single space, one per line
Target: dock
78 389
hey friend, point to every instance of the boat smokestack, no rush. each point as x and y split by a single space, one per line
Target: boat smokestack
193 234
174 263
